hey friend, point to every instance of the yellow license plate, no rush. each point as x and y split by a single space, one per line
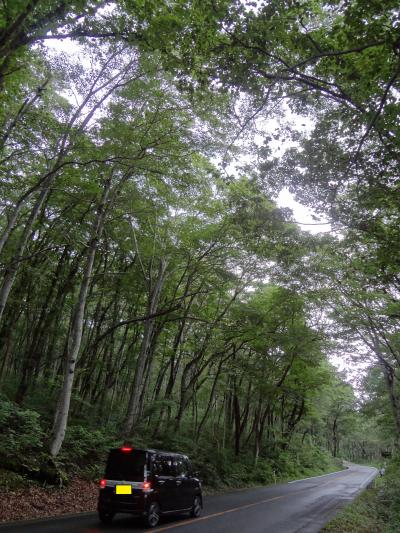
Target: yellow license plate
123 489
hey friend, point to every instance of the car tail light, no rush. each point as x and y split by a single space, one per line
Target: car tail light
103 483
146 485
126 449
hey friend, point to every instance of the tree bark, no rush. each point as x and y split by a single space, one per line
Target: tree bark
134 400
75 335
211 398
13 266
34 351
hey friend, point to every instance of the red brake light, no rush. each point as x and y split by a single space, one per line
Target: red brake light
126 449
103 483
146 485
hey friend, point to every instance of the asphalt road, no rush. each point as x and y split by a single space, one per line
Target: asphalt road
301 506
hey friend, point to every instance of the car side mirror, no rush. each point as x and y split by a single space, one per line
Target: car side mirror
196 474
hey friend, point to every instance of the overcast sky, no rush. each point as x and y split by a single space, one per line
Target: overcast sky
303 215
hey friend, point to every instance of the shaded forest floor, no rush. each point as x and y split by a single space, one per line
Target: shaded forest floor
36 501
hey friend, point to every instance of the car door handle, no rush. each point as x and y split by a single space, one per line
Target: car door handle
178 482
161 482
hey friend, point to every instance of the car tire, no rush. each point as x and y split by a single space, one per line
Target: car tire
106 517
152 517
196 509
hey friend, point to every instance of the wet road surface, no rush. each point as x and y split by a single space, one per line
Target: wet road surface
301 506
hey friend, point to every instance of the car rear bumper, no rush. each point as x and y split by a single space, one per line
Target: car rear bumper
135 503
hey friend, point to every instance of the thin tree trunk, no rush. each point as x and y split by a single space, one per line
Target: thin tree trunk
134 400
34 351
240 418
75 336
389 375
257 433
13 267
147 376
335 438
211 399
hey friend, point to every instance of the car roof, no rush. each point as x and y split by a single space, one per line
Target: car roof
153 450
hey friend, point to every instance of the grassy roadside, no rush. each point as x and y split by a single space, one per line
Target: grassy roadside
361 516
375 510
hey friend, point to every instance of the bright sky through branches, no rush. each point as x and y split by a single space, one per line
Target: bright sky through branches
304 216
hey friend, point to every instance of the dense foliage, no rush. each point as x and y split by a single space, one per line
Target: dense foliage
151 287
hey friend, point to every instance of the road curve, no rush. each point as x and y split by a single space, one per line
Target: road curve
301 506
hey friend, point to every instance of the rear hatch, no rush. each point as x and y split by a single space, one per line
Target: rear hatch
125 476
126 464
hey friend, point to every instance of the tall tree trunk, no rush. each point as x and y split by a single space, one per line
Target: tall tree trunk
175 358
392 386
75 335
194 368
335 438
240 418
134 400
211 399
148 372
11 270
257 433
34 351
389 372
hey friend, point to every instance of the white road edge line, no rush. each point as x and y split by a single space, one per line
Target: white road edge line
368 480
314 477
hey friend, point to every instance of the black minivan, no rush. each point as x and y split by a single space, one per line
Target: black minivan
148 483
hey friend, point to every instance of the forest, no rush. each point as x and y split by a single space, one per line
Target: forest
152 289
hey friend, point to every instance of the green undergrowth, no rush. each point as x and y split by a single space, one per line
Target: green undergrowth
24 460
376 510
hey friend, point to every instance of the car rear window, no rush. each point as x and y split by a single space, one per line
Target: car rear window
126 466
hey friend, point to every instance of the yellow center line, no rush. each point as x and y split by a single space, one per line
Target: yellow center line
214 515
234 509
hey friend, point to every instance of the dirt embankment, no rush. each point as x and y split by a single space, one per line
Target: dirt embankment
37 502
